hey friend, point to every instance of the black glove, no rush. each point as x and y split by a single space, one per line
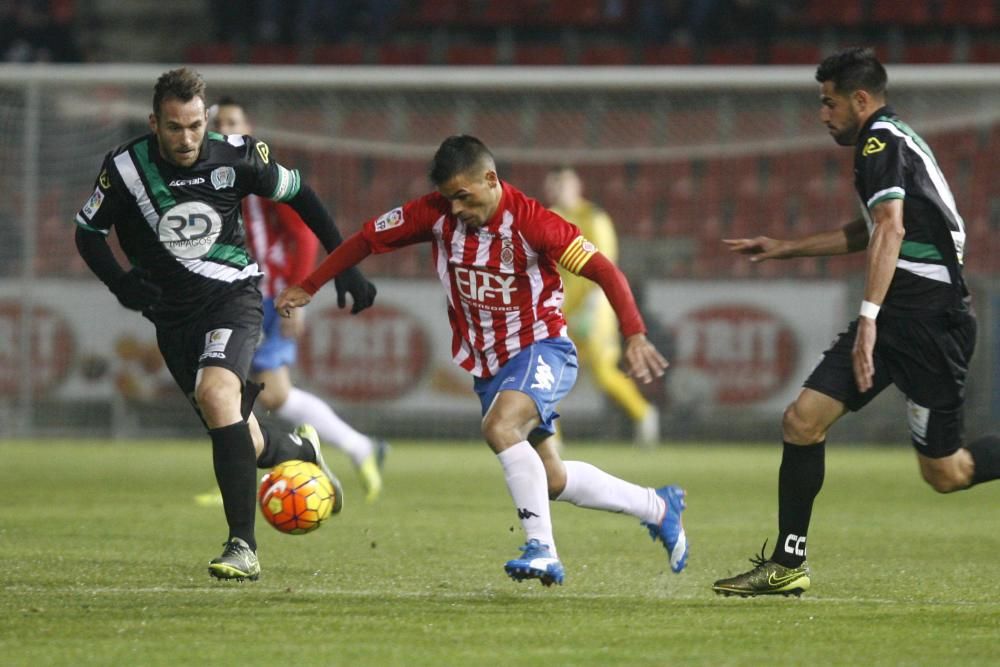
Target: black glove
352 282
135 291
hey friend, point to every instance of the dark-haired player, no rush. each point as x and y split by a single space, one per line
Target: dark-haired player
496 253
173 197
915 329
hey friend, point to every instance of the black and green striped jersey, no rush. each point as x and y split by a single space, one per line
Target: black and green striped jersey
183 224
892 162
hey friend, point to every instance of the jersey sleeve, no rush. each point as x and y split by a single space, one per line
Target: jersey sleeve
413 222
304 243
561 240
101 209
267 177
881 168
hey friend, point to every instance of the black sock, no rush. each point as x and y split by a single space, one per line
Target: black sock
281 446
799 480
986 457
233 457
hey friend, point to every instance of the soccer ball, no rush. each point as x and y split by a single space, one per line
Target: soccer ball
296 497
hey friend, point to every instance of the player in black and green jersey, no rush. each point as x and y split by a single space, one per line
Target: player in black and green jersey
916 328
173 197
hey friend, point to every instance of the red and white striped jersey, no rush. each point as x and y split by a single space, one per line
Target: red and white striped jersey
502 282
284 247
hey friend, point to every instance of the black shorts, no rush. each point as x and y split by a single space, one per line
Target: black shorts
927 358
225 334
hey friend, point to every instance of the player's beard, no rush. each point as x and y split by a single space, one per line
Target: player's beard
848 134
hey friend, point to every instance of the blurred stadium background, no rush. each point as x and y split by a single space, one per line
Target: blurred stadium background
689 122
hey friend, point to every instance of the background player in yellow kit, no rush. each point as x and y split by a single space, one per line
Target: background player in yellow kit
592 323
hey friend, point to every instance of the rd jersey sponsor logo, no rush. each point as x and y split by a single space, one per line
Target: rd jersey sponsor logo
486 290
189 230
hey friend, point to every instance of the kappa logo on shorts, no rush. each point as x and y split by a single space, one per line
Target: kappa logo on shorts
544 377
216 341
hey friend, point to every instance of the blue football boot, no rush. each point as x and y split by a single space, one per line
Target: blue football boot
536 562
670 530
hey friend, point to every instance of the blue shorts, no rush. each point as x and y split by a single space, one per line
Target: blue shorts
545 371
277 350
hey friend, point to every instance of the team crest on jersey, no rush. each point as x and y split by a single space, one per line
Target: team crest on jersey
872 146
223 177
393 218
507 255
104 180
94 203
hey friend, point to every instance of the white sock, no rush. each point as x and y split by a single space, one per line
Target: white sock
590 487
525 475
302 406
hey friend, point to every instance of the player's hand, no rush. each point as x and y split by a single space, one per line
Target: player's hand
352 282
759 248
291 297
135 291
862 354
643 361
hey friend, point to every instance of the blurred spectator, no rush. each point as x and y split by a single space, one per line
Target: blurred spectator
299 21
38 31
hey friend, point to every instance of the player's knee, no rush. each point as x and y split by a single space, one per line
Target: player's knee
498 433
797 427
215 397
945 479
272 399
944 482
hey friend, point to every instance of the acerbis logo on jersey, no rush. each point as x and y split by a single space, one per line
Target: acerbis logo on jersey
189 230
872 146
393 218
488 290
263 151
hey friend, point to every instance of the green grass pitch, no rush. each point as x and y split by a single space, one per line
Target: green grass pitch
103 556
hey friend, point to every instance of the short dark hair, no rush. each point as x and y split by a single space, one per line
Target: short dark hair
183 84
457 154
854 69
229 101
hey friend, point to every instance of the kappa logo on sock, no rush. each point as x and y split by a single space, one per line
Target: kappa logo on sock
524 513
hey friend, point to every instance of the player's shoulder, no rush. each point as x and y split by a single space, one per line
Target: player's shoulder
140 142
229 146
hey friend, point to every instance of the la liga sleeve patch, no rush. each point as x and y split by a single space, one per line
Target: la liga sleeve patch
387 221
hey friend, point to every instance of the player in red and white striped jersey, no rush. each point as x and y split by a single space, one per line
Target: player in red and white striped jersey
496 252
285 249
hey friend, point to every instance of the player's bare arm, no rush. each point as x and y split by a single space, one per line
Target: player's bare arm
852 237
886 240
